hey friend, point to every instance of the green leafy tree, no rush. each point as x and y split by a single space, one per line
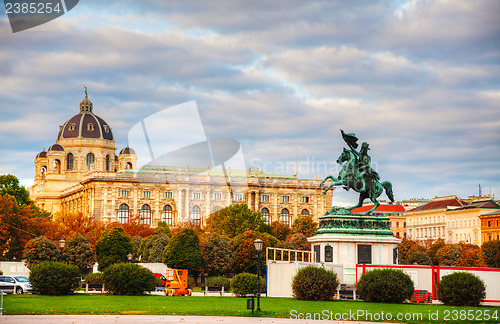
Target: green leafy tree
152 247
113 247
137 242
449 254
234 220
491 252
280 230
9 185
218 256
431 251
78 251
40 249
245 253
183 251
304 225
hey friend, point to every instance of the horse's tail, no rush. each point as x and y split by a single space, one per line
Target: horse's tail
388 190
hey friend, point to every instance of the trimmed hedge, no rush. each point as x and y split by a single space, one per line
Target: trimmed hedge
217 282
128 279
54 278
384 286
314 283
461 289
94 279
246 283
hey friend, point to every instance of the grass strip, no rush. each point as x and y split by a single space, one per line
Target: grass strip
103 304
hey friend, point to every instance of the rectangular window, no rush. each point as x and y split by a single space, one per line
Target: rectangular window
264 197
217 196
146 194
305 199
238 197
285 198
123 193
196 195
397 224
167 194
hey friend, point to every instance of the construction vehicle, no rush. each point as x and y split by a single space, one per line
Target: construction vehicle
177 283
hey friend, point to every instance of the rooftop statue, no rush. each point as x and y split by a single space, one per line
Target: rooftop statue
358 175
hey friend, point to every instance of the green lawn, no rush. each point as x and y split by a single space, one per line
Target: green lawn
231 306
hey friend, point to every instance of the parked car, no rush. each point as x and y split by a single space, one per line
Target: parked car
21 284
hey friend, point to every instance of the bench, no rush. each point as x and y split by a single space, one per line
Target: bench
93 287
346 292
213 289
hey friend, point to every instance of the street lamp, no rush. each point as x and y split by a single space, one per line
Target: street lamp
129 257
259 244
62 244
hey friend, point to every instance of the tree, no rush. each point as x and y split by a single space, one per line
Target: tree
418 256
491 252
134 227
183 251
14 228
218 256
40 249
163 228
472 257
152 247
78 251
431 251
113 247
9 185
280 230
304 225
69 224
404 247
298 241
245 253
449 255
136 242
234 220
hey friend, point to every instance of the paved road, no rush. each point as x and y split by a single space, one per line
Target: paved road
149 319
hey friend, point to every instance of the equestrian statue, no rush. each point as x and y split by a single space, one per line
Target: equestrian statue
357 174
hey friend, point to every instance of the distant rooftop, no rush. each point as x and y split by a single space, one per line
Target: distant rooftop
448 202
381 208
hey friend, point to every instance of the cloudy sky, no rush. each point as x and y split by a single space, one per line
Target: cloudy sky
418 80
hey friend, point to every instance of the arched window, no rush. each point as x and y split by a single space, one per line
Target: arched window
128 166
304 212
107 162
166 215
285 217
196 215
69 161
43 171
123 212
146 215
90 160
265 214
57 166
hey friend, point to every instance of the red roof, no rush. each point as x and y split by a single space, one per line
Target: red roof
438 204
382 208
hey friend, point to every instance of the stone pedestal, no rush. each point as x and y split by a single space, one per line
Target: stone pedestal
349 239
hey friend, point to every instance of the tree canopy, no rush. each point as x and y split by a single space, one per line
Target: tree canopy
183 251
113 247
234 220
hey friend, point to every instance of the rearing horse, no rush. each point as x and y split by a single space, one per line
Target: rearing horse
349 178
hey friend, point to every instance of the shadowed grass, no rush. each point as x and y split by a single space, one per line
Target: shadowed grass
231 306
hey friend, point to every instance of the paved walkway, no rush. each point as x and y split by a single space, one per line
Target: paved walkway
149 319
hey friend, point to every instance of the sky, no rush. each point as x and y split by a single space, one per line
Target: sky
418 80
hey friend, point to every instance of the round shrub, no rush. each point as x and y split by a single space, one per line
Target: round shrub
246 283
94 278
314 283
461 289
385 286
217 282
54 278
128 279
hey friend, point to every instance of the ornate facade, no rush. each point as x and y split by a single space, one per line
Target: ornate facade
81 173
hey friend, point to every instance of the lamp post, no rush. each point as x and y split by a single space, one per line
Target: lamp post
258 246
62 244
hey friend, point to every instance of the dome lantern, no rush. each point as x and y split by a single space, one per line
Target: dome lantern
86 104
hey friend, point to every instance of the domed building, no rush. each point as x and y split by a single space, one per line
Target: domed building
81 172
